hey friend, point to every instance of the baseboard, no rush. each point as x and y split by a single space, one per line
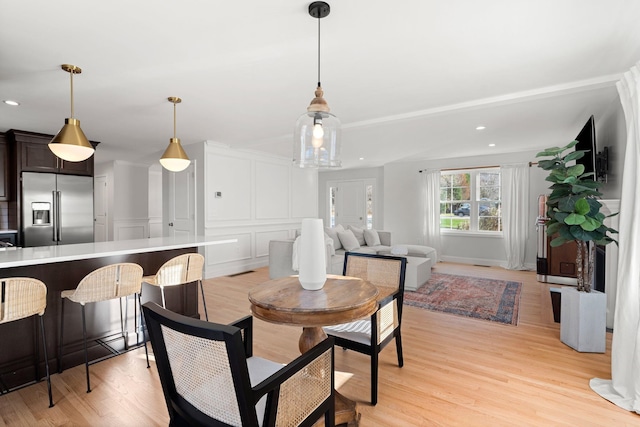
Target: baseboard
234 268
483 262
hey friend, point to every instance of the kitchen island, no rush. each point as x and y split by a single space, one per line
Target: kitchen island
61 268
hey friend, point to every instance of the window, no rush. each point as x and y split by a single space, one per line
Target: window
470 200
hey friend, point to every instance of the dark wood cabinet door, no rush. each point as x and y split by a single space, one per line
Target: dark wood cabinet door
4 173
36 157
76 168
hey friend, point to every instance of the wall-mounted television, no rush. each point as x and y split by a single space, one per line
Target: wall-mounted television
587 141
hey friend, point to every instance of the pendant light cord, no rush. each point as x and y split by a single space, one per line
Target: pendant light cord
174 120
71 73
319 52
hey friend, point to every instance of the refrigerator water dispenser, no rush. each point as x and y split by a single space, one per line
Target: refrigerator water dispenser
41 212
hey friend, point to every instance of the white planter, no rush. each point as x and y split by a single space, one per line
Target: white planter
583 320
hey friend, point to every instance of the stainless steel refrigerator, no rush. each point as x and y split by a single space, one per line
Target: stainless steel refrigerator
56 209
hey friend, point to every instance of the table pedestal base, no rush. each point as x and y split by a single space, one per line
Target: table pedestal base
345 408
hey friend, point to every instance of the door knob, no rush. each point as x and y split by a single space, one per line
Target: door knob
170 224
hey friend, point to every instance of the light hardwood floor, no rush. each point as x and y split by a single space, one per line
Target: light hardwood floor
457 372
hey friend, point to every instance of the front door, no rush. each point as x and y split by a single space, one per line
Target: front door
350 205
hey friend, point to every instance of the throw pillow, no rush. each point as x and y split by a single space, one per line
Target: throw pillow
328 241
348 240
371 237
359 233
333 233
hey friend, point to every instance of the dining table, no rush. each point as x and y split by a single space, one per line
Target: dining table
342 299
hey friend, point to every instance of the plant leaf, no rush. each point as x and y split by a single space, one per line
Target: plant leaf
578 154
574 219
582 207
576 170
590 224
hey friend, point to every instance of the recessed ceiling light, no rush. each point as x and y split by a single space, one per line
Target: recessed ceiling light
12 103
361 158
480 127
492 145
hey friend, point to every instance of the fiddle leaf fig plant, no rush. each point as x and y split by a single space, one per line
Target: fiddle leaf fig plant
573 208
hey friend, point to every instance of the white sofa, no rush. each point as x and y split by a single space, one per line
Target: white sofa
281 251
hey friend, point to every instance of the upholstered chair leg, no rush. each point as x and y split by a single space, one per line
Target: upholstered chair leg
86 354
204 301
60 343
374 377
46 361
399 349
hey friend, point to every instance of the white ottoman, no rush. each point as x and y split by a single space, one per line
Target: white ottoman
418 272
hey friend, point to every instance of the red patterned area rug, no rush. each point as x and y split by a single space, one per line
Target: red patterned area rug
487 299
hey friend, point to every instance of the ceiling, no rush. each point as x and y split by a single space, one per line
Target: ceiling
409 80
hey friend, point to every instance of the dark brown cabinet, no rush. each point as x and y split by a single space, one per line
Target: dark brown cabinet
5 188
34 155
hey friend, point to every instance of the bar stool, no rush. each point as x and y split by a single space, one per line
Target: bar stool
23 297
179 270
106 283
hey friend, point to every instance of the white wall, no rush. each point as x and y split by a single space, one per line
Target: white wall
403 210
261 198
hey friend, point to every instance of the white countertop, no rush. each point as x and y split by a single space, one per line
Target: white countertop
49 254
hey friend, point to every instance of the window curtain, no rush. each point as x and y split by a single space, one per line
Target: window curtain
515 211
431 209
624 387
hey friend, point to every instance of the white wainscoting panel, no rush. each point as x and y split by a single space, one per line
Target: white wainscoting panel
264 237
272 190
220 254
230 176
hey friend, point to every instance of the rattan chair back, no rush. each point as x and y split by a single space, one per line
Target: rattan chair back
109 282
182 269
22 297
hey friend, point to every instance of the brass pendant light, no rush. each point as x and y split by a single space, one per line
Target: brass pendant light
70 143
317 133
174 158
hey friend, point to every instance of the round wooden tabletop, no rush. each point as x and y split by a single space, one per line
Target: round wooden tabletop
341 299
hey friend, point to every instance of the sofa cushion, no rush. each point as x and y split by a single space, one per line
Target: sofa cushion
371 237
359 233
365 250
333 233
348 240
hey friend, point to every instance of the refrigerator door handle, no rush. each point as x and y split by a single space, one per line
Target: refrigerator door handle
55 215
57 228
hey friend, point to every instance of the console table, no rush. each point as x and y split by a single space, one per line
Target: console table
342 299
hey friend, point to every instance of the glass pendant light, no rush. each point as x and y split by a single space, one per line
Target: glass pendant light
317 132
70 143
174 158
